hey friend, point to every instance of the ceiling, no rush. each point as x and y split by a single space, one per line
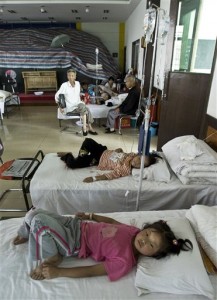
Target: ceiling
66 11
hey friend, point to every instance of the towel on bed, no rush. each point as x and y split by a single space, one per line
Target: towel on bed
200 169
189 149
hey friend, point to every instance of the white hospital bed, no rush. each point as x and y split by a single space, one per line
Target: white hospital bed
15 283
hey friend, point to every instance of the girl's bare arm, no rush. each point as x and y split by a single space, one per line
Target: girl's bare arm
96 218
95 178
50 272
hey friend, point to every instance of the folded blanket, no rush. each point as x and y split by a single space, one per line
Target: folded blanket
201 163
197 180
208 169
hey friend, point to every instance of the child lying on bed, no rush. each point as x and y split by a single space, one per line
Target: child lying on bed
114 245
92 153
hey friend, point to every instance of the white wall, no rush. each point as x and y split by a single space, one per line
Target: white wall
134 31
212 105
108 34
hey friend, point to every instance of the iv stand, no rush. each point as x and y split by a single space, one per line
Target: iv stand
97 54
147 116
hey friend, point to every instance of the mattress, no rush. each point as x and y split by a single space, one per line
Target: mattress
17 284
59 189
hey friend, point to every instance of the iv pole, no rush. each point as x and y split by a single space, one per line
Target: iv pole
142 84
97 54
147 116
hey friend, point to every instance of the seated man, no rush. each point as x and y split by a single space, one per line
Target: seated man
128 106
71 92
120 163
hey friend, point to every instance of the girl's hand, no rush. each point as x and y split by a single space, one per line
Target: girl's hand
83 216
88 179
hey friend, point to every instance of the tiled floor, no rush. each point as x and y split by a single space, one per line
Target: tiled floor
36 127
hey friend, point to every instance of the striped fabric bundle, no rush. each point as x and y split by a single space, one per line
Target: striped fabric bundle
30 48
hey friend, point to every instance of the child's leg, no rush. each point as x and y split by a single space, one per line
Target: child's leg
92 147
77 163
84 121
19 240
37 274
23 231
49 240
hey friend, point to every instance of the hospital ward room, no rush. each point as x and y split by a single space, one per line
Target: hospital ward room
108 150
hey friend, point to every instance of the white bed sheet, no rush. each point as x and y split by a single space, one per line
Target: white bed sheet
59 189
17 285
99 111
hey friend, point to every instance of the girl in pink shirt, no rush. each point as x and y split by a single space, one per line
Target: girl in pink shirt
113 245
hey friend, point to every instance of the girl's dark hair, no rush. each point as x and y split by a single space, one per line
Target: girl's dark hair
152 159
171 245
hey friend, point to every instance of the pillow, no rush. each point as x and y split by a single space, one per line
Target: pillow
185 145
208 264
157 172
204 222
183 274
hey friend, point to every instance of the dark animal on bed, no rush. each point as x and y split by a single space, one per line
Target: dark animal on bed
115 246
91 153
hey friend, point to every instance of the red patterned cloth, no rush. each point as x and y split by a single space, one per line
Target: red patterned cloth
4 167
120 163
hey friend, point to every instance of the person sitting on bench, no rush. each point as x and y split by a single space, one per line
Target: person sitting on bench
71 91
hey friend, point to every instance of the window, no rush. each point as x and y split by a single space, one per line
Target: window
195 36
135 55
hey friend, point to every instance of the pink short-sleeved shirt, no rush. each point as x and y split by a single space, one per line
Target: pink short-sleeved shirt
110 243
